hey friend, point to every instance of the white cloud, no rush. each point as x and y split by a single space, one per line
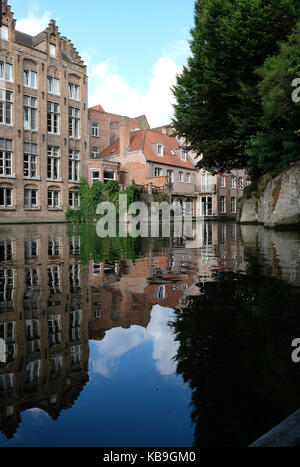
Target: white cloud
119 342
34 23
116 96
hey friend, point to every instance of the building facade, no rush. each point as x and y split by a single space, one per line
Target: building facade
43 124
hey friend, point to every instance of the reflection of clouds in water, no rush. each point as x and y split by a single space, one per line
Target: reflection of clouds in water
116 343
164 345
120 341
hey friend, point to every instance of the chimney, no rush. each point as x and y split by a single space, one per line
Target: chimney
124 135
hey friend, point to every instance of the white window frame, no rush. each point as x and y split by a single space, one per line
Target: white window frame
53 117
30 107
6 71
30 192
4 33
233 182
8 199
30 78
74 199
95 152
222 204
6 158
188 178
180 177
6 107
74 91
53 163
158 172
74 165
54 197
52 50
30 153
74 122
233 205
95 179
160 150
223 182
52 82
95 130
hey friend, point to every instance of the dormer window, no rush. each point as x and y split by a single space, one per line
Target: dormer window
52 50
183 156
160 150
4 33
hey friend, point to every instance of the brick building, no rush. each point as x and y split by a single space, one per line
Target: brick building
148 156
217 195
43 123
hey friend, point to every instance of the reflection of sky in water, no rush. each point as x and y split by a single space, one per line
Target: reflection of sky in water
133 398
119 341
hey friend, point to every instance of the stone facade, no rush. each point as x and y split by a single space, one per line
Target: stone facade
274 202
44 86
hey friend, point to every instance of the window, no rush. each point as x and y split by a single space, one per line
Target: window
30 160
188 178
170 175
74 165
74 119
95 130
56 364
5 107
5 71
30 112
206 183
52 50
95 152
54 330
6 250
32 336
233 182
74 199
233 205
222 205
31 248
74 91
53 246
95 176
30 198
161 295
223 182
183 156
4 33
96 269
75 354
108 176
160 150
53 199
30 78
5 157
6 381
248 182
180 177
32 372
53 85
74 274
6 287
6 197
54 280
241 183
158 172
53 163
53 117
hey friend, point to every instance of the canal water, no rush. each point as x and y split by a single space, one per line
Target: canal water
147 342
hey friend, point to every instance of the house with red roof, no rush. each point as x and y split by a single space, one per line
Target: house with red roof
148 157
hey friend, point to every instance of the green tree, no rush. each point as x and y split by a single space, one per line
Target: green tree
218 107
278 140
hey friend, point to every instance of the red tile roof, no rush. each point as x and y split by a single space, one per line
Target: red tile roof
144 140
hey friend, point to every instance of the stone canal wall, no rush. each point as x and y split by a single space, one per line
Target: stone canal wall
273 202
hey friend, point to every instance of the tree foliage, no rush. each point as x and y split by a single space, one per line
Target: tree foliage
218 106
278 140
91 197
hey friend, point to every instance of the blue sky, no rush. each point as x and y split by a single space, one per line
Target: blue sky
133 48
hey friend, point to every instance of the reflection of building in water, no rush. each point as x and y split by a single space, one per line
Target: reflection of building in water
123 294
43 320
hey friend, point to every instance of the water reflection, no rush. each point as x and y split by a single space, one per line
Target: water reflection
235 298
